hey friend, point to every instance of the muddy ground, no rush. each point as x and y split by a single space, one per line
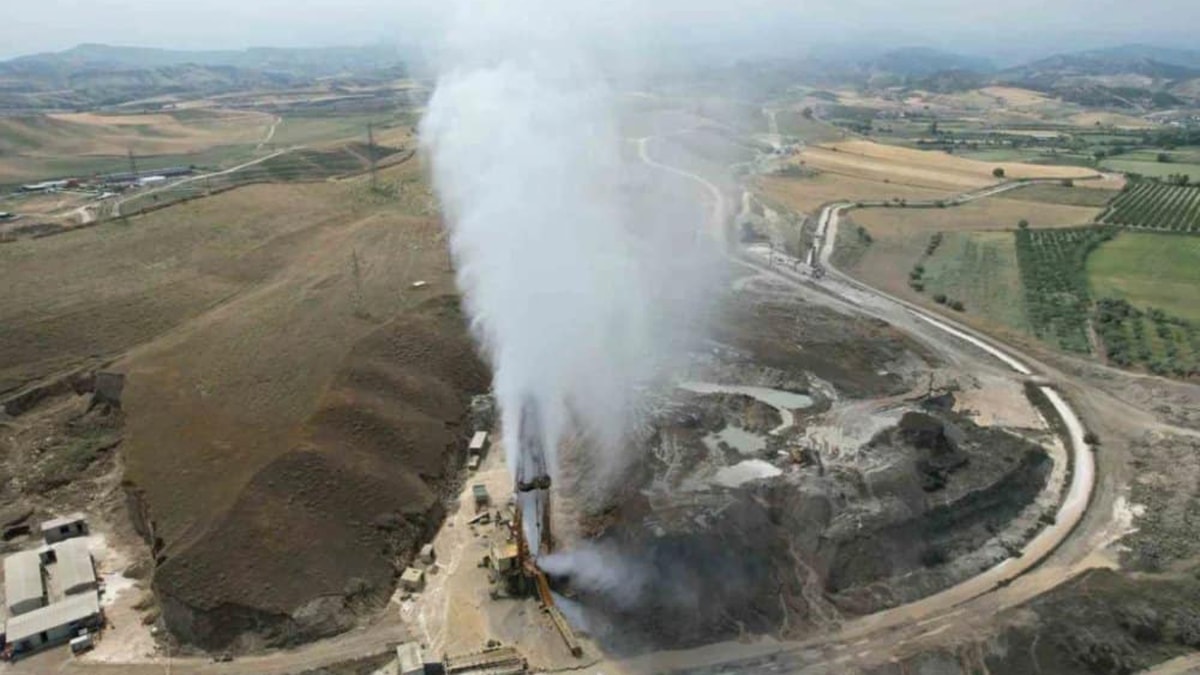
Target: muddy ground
705 551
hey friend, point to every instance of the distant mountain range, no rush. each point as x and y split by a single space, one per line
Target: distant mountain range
94 75
1133 76
317 61
1138 77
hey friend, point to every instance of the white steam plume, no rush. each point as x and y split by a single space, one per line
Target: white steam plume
574 288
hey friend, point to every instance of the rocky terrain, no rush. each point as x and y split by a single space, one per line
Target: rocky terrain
741 520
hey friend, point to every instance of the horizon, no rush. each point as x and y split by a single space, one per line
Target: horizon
843 50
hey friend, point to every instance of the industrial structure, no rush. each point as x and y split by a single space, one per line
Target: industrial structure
513 562
51 593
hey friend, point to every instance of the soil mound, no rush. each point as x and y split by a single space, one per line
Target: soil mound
319 534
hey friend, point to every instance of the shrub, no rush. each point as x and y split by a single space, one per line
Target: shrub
957 305
998 172
939 298
1023 224
1091 438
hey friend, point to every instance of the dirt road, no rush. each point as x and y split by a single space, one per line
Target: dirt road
116 207
979 597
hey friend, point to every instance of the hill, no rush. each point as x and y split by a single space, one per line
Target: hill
91 76
924 61
312 62
1136 77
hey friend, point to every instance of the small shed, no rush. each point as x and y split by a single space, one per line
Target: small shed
427 555
66 527
482 500
479 443
412 579
410 660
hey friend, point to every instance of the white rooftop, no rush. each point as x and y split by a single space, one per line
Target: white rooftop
22 578
478 440
74 567
70 519
74 608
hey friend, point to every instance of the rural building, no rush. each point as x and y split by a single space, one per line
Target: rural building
58 529
479 443
409 659
45 186
427 555
73 570
53 624
413 579
482 500
23 588
128 177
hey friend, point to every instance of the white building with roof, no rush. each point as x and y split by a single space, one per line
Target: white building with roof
66 527
53 624
24 590
74 570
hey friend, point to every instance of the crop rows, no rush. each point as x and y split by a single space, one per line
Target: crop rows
1055 282
1156 206
1163 344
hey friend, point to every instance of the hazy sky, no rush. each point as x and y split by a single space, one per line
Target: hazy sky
982 25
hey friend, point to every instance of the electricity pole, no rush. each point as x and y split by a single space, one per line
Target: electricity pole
371 155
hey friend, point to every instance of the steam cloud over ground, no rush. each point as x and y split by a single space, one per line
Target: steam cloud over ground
575 265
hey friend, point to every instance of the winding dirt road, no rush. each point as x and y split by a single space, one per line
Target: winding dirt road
979 597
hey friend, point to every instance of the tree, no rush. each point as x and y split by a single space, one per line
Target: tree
1067 182
807 113
1023 224
1163 158
939 298
957 305
998 172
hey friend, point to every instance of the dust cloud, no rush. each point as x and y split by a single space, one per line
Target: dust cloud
580 289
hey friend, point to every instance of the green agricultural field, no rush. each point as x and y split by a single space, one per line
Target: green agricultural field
300 130
1151 168
1155 340
795 125
1056 283
1059 194
1149 270
979 269
1156 206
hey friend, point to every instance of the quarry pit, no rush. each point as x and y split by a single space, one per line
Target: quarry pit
779 491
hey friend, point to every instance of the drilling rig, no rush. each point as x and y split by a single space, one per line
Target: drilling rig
531 523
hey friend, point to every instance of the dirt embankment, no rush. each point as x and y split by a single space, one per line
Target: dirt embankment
320 533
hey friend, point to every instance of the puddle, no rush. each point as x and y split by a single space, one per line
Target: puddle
783 401
745 442
744 472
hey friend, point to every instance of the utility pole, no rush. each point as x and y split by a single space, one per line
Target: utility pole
371 155
132 164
